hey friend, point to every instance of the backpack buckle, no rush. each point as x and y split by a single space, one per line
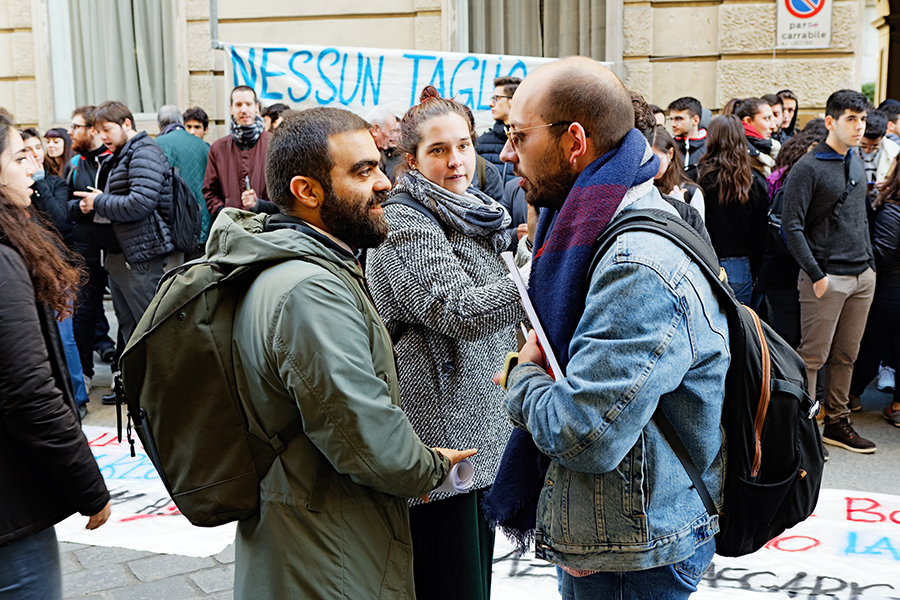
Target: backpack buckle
813 410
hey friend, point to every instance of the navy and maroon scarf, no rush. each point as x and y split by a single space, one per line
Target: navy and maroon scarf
564 243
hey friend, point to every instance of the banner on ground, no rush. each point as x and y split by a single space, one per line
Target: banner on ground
360 79
848 550
803 24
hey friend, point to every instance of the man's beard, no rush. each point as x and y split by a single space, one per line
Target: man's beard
350 220
81 146
549 188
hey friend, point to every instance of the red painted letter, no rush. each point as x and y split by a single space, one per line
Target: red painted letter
869 510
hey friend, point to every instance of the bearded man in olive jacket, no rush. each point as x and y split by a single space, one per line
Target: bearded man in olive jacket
333 519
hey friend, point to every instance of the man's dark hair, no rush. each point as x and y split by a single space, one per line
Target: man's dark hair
644 118
510 84
299 147
787 95
692 105
891 108
658 110
876 124
274 111
113 111
843 100
602 106
196 114
773 100
87 113
242 88
29 132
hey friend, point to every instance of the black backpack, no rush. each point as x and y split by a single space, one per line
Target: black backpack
185 220
774 457
775 242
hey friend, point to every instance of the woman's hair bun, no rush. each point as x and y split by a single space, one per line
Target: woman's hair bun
429 92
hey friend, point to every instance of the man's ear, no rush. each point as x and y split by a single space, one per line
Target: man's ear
308 192
128 122
411 161
576 143
696 120
829 122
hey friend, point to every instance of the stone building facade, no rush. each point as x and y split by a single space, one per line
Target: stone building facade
663 49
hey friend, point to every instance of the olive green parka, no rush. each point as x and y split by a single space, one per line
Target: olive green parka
333 519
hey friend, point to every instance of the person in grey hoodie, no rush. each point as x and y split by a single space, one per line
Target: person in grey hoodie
827 233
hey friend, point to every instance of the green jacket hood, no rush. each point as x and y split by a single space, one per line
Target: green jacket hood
239 238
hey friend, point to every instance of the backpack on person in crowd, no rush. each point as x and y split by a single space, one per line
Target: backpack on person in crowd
774 458
178 380
776 245
185 220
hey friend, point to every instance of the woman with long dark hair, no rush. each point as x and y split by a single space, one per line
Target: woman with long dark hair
756 119
46 466
444 294
671 178
736 204
882 334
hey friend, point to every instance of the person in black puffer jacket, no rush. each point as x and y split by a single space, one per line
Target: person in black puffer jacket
137 201
46 467
882 334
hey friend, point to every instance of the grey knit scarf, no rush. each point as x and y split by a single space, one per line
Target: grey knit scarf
473 214
245 136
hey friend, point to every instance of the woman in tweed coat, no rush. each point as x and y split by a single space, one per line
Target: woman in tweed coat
445 296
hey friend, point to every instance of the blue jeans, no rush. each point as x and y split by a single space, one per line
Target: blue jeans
739 278
670 582
29 568
73 360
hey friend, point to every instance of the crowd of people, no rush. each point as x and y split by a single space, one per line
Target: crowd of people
387 321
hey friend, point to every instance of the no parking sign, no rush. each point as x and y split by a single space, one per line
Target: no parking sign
804 24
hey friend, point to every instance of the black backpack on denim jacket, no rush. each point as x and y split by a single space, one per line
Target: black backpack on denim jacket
774 458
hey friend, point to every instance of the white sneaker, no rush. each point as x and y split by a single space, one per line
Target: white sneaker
87 383
886 380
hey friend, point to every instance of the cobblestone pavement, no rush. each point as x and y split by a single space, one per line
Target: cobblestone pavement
100 573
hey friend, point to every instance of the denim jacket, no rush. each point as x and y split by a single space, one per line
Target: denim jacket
616 497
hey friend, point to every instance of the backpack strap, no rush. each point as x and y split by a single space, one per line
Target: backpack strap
832 213
669 433
669 226
686 238
396 331
407 201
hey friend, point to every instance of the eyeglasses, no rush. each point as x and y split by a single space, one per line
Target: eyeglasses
76 127
495 98
515 135
869 148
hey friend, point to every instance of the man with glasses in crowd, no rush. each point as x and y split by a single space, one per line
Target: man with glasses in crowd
877 151
638 330
82 177
490 143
